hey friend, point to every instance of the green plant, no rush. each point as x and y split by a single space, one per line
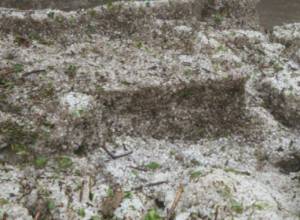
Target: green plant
71 70
3 201
231 170
260 205
185 93
110 192
18 68
225 191
152 165
127 195
188 72
40 162
50 14
100 90
218 18
237 206
95 217
91 196
139 45
152 215
47 90
50 204
17 137
196 174
81 212
64 162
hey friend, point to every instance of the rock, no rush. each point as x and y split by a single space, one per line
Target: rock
77 102
131 207
287 34
15 212
235 195
282 96
183 29
204 42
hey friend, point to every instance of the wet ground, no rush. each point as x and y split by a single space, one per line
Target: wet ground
278 12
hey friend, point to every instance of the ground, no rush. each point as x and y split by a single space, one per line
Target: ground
149 110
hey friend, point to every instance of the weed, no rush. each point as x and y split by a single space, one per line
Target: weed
92 13
40 162
195 162
225 191
278 67
47 90
152 215
152 165
50 14
195 174
81 212
109 192
50 204
218 18
22 41
237 206
260 205
127 195
64 162
17 137
91 196
188 72
18 68
231 170
95 217
100 90
139 45
3 202
185 93
71 70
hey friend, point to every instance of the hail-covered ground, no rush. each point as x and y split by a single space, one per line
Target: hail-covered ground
149 110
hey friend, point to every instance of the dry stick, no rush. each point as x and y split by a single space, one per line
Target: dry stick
5 216
33 72
171 211
116 156
139 168
81 191
217 213
90 188
150 185
37 215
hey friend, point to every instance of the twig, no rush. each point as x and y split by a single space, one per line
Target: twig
150 185
171 211
139 168
217 212
37 215
81 191
114 157
5 216
33 72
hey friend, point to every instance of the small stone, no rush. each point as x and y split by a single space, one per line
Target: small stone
77 102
